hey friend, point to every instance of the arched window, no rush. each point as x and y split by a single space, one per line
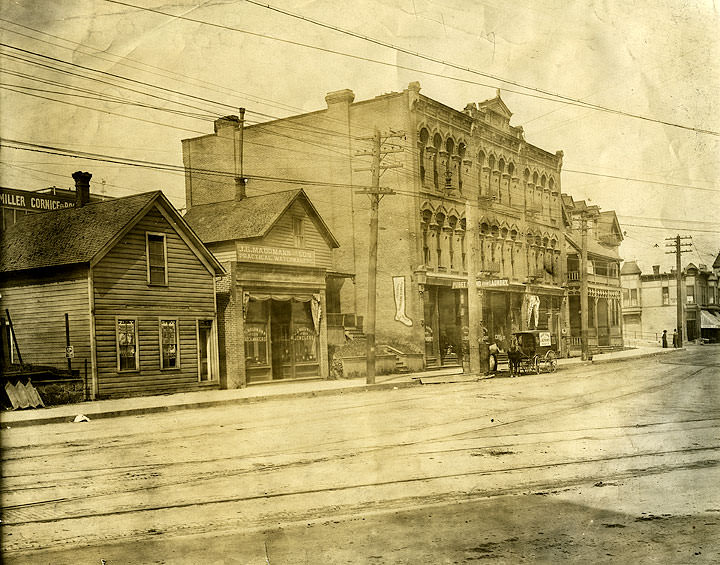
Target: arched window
480 173
437 143
452 222
426 216
440 219
461 154
423 140
449 148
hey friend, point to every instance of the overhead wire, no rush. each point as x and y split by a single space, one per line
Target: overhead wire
461 67
551 97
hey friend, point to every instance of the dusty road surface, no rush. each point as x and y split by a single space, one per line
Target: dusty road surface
616 463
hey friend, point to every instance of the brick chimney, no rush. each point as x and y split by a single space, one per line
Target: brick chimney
82 188
656 269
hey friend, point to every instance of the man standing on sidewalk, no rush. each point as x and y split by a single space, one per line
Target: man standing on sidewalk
664 339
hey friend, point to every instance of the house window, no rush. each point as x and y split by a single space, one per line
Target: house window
127 344
690 293
633 297
299 232
169 344
156 258
665 295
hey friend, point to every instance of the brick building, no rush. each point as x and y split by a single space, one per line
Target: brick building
456 165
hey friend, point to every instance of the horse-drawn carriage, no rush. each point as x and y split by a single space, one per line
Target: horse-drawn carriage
538 349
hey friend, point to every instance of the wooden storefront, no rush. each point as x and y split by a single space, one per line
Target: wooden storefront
272 303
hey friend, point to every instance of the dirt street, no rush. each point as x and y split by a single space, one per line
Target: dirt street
607 463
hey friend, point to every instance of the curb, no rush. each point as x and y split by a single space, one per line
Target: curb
207 404
641 356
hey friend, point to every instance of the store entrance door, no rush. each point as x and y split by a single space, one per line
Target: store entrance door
293 340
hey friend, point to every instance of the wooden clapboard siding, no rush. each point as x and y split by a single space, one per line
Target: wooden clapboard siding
224 251
281 234
121 290
37 309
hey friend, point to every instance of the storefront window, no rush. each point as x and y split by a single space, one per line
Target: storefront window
304 337
256 350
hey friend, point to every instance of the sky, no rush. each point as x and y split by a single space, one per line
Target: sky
649 149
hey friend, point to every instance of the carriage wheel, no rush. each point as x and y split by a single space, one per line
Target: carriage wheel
551 360
536 365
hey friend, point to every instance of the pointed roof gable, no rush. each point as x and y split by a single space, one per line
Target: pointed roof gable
716 263
83 235
250 218
496 105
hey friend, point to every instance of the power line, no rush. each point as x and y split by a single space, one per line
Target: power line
320 130
553 96
24 146
673 228
639 180
467 69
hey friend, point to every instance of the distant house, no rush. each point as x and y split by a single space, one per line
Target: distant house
272 305
650 302
137 286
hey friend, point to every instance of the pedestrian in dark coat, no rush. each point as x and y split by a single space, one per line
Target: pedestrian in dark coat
664 339
676 340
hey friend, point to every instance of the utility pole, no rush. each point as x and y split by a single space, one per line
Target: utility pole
473 304
678 251
584 345
376 193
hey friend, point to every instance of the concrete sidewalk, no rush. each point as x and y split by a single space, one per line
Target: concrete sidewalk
271 391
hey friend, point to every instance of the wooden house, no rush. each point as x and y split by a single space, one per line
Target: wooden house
136 285
272 309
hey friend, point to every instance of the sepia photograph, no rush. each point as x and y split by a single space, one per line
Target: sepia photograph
300 282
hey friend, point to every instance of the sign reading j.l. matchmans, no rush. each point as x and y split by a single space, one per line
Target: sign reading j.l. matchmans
279 255
36 201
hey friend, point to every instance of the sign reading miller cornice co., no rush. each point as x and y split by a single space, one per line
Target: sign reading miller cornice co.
251 253
36 201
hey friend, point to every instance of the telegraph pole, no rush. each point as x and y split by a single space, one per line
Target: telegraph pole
376 193
473 304
584 345
678 251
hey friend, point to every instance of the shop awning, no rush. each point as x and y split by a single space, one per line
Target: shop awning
709 321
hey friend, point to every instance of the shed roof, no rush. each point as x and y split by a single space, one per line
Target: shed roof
249 218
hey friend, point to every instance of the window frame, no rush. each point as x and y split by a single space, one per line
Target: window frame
162 319
213 360
298 226
149 234
137 344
